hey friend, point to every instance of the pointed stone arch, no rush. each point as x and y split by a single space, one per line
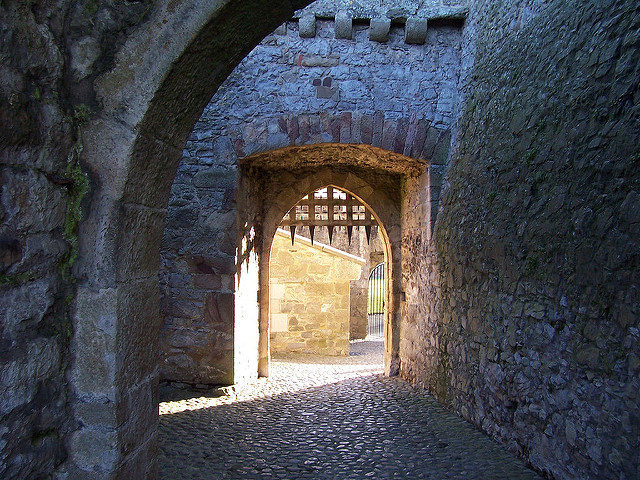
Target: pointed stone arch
387 214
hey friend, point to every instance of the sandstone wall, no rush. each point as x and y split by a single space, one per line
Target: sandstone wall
310 296
359 287
529 323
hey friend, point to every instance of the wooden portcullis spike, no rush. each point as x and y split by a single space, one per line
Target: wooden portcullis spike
349 232
312 229
293 233
367 229
330 228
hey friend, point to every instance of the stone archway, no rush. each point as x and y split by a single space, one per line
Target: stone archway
573 178
219 334
372 175
252 118
132 148
387 214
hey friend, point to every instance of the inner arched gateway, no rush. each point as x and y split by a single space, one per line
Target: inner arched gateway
234 290
319 268
331 208
379 191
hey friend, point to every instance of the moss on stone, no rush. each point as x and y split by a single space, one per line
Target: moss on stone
17 279
531 265
76 191
81 113
530 156
90 7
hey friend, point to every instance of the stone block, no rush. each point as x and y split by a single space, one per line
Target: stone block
26 305
94 449
142 463
279 322
137 415
141 231
319 61
379 29
83 53
96 413
137 331
149 183
344 25
415 30
30 202
307 26
93 371
20 378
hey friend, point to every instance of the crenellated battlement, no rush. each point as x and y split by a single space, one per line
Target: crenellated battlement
414 25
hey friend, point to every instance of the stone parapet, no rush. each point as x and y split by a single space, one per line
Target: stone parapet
414 26
397 11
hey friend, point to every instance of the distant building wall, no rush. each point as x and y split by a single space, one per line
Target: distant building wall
309 288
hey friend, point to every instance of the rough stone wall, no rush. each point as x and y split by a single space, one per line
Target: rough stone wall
392 95
417 278
198 274
309 296
530 324
54 52
292 90
50 54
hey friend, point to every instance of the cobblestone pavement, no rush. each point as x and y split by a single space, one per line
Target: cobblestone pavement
326 418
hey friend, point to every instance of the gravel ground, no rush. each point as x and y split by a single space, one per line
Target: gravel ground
325 418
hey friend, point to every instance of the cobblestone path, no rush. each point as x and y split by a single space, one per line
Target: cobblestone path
326 418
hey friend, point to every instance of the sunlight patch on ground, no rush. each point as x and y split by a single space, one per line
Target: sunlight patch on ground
291 374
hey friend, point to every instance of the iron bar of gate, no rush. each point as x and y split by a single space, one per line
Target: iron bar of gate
375 302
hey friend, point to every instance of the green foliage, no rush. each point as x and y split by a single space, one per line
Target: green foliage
530 156
64 326
375 296
531 265
76 191
90 7
81 113
17 279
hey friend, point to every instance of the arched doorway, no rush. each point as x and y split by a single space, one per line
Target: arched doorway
312 305
379 191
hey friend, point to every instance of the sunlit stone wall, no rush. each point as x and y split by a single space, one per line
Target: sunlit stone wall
309 288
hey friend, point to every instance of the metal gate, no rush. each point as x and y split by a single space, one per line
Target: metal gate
375 302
